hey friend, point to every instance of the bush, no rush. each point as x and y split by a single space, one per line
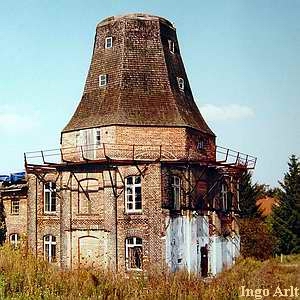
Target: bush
256 239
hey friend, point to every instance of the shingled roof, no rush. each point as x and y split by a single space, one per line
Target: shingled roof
142 72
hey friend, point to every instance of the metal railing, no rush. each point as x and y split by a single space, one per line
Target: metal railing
124 152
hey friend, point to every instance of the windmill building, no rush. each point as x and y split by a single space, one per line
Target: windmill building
138 181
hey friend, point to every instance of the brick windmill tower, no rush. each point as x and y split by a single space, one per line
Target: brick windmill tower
138 180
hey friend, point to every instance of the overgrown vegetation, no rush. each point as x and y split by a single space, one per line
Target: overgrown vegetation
278 233
22 276
257 240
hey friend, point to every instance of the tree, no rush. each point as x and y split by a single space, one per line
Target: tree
285 219
256 239
249 194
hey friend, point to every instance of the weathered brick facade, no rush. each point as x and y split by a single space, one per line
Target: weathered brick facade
14 199
137 183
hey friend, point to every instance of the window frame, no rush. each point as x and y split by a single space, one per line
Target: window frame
102 80
133 194
181 83
15 209
171 44
238 195
201 145
176 191
98 134
108 42
128 246
51 191
224 196
14 239
48 251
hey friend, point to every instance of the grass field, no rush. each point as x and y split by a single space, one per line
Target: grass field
23 277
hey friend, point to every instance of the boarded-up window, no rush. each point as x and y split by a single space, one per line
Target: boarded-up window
85 143
87 195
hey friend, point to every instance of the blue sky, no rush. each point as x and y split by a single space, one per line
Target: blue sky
242 59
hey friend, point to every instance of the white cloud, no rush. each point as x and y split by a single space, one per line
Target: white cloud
226 113
12 121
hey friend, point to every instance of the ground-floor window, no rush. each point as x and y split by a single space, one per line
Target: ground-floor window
50 248
134 253
14 239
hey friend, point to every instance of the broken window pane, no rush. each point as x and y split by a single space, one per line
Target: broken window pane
134 253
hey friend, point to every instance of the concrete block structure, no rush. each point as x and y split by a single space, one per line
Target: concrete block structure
138 181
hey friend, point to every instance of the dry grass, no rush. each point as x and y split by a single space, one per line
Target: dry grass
24 277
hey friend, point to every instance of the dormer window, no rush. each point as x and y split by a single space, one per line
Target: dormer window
102 80
171 46
180 83
108 42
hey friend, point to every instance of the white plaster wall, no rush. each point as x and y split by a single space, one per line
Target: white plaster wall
184 238
186 235
223 253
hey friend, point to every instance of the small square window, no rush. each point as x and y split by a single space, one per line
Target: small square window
102 80
108 42
171 46
180 83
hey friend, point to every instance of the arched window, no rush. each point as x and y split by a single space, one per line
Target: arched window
133 194
14 239
50 248
50 197
134 253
